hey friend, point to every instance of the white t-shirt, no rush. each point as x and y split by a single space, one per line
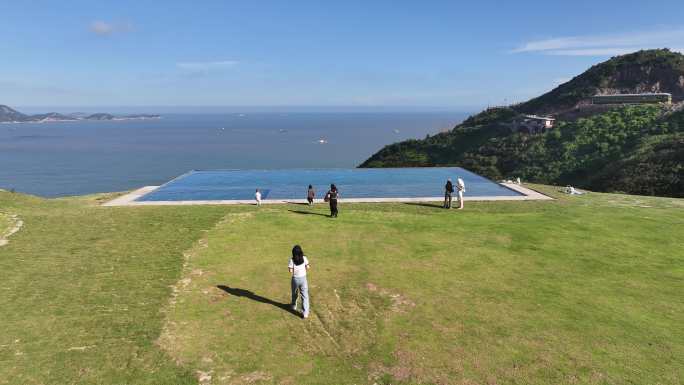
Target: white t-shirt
461 185
299 271
257 196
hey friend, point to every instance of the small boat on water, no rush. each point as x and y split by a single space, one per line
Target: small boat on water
322 141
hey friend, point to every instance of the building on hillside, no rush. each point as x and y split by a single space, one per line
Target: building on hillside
532 124
645 98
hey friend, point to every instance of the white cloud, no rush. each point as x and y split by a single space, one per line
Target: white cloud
104 28
605 45
207 65
613 51
101 28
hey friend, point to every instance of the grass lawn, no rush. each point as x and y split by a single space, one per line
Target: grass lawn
82 288
6 223
581 290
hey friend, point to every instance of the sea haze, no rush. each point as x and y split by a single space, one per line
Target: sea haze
73 158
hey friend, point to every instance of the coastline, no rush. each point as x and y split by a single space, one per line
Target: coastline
81 120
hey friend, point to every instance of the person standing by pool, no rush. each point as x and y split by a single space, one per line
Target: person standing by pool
310 195
448 190
460 186
332 197
298 266
257 197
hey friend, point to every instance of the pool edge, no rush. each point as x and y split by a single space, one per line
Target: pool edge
130 199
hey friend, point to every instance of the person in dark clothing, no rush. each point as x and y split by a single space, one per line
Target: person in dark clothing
310 195
332 197
448 191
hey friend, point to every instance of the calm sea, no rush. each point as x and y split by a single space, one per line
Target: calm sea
73 158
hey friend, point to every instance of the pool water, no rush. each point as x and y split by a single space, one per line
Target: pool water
351 183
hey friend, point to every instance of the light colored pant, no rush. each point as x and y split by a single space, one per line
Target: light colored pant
300 284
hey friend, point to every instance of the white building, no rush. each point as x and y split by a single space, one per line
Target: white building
532 124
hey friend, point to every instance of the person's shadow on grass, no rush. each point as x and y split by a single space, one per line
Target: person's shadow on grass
255 297
308 213
432 205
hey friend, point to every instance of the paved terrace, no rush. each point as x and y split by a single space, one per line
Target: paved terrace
130 199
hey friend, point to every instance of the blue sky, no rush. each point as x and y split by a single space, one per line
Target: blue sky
406 54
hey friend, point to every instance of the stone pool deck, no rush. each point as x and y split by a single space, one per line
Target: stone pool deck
130 199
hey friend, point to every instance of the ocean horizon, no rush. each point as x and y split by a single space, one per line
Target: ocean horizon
74 158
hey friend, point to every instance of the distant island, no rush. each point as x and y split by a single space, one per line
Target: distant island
10 115
618 127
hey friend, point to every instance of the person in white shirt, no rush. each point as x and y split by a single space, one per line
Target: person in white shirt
460 188
257 196
298 266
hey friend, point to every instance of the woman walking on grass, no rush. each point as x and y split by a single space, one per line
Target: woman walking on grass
298 266
257 197
332 197
310 195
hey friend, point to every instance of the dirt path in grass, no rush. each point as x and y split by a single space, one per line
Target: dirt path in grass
18 223
169 340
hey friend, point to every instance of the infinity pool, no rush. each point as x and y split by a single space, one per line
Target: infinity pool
292 184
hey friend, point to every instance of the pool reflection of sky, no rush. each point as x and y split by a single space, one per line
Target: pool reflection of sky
292 184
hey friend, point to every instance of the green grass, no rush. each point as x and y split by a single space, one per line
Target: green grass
6 223
82 288
583 289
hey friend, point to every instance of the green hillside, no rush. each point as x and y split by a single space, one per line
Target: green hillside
633 149
659 70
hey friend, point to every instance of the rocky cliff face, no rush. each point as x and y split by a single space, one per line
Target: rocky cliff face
635 78
644 71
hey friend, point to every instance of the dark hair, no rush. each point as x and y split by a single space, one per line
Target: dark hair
297 255
333 187
310 187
